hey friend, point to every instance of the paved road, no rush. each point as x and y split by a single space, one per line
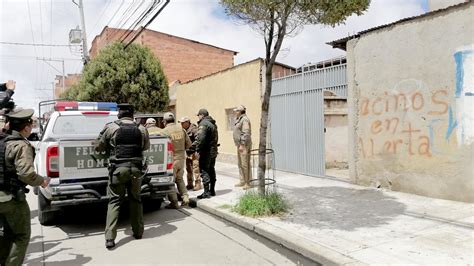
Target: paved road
187 236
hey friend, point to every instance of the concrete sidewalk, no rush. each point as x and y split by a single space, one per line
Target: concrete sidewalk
335 222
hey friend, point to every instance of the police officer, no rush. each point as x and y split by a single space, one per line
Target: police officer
125 140
181 143
152 128
205 147
192 163
17 171
243 142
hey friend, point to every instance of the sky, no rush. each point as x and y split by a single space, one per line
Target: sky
49 22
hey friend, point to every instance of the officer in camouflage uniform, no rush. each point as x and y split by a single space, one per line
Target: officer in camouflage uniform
205 147
243 142
17 169
181 143
152 128
125 141
192 163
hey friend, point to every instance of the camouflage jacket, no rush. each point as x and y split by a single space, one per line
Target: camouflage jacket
242 131
19 158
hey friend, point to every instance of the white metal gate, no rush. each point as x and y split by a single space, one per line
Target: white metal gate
297 118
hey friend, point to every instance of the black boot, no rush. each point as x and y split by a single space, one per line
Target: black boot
212 191
206 194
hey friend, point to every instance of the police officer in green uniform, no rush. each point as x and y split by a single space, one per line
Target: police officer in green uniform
16 172
125 141
205 147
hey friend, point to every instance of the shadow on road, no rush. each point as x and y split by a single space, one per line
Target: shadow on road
88 220
341 208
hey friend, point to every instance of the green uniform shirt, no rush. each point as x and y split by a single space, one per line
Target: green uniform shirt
19 157
180 139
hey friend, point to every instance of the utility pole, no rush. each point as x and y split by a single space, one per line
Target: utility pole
85 50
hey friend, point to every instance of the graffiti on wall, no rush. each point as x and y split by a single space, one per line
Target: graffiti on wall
413 119
402 120
464 94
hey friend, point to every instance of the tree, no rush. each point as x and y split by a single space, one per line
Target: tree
123 75
276 19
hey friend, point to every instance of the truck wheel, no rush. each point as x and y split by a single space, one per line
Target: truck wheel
45 216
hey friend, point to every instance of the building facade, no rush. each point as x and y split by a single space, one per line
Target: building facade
220 93
411 98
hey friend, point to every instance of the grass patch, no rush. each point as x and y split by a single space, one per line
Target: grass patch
255 205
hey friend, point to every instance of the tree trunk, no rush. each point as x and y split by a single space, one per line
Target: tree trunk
262 147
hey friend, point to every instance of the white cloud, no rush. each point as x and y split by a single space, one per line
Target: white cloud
199 20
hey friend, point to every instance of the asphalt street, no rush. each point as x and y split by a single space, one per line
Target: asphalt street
171 237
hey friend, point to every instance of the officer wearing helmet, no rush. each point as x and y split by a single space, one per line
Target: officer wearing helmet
125 141
153 129
17 171
181 143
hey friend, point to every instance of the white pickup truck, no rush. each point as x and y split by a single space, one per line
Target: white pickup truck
78 173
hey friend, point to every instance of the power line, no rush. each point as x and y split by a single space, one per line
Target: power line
35 57
99 18
51 30
31 24
140 19
116 11
148 23
37 44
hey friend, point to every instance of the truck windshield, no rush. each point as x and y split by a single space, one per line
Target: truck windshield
81 125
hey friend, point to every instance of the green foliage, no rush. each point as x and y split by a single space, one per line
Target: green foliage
291 14
132 75
254 204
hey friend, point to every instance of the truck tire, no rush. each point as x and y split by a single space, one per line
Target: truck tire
45 216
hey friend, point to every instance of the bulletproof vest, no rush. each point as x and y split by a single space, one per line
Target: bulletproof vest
8 179
128 141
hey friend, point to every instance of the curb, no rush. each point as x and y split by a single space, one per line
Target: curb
311 250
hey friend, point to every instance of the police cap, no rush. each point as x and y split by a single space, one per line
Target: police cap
20 114
168 116
203 112
240 108
184 119
125 107
150 121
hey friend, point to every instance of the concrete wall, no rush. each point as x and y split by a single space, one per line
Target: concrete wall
225 90
411 106
439 4
335 122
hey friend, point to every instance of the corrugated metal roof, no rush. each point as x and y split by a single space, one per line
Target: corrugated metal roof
341 43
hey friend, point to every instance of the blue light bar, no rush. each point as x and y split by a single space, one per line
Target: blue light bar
107 106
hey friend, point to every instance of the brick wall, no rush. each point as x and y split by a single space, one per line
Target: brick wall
181 59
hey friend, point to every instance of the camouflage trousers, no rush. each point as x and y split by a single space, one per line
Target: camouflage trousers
124 181
15 217
178 172
245 172
192 170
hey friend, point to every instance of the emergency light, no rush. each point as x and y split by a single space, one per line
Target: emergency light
85 106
